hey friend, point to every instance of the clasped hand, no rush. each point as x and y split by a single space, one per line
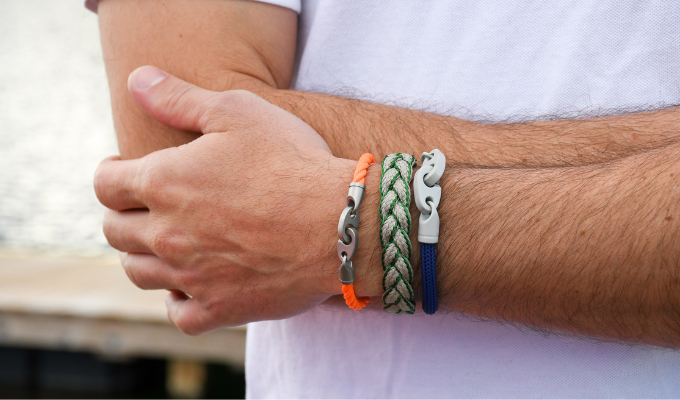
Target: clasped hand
238 224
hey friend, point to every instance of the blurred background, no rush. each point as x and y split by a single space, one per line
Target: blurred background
71 324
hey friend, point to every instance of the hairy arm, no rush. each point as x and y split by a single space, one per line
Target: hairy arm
250 45
383 129
591 250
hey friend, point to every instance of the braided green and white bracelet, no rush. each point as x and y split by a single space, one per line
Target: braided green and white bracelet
395 225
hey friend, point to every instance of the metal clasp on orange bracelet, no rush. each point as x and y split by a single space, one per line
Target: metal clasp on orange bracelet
348 237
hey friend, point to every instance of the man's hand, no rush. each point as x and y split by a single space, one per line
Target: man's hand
232 222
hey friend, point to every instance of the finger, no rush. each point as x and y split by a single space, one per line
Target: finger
127 230
114 184
183 105
147 271
188 314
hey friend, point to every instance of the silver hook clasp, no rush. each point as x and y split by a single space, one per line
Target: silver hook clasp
427 193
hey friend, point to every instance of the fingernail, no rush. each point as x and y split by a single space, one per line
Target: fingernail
146 77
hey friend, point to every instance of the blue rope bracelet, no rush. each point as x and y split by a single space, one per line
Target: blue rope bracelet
427 194
428 262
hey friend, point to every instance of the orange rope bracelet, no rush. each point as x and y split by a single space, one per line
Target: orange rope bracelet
365 160
357 303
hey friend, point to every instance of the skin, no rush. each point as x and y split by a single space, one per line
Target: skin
254 264
564 225
251 46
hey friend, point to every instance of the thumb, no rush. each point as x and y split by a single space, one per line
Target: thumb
171 100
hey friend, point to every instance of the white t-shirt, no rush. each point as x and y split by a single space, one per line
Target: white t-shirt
488 61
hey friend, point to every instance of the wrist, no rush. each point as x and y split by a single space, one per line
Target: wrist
368 271
367 262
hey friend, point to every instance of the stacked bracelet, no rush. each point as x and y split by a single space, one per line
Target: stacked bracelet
395 226
348 237
427 194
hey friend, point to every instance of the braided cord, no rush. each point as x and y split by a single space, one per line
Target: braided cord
428 259
395 225
354 302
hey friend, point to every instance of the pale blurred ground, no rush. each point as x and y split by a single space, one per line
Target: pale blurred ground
55 127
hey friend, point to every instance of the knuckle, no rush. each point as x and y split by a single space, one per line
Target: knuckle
227 109
108 228
131 270
211 307
173 315
241 96
150 179
183 324
170 244
132 274
99 182
189 329
175 101
102 178
244 102
187 279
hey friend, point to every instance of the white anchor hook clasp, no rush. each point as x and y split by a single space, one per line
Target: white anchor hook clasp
425 196
437 160
427 193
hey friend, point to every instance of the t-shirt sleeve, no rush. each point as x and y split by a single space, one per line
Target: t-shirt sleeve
294 5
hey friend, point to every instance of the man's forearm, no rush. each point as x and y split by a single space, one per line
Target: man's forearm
352 127
590 250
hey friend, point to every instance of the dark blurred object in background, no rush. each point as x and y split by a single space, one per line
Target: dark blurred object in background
27 373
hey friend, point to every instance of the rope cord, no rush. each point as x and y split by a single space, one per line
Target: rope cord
395 225
428 259
427 194
354 302
362 168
